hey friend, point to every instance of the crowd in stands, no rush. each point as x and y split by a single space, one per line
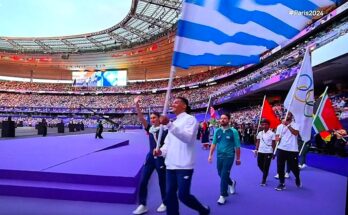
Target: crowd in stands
291 58
340 103
91 122
335 30
134 86
198 97
245 120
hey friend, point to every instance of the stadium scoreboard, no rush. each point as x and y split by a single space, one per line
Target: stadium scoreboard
107 78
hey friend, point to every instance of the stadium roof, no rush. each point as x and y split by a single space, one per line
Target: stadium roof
146 21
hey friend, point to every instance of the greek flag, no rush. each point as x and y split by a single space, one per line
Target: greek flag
236 32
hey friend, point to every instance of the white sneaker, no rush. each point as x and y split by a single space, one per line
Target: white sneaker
287 175
232 187
161 208
277 176
303 166
221 200
141 209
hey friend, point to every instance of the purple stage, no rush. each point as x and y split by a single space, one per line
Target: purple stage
322 193
74 167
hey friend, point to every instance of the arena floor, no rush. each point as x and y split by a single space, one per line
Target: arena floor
24 132
322 193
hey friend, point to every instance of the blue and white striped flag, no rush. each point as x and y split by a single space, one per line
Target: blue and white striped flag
236 32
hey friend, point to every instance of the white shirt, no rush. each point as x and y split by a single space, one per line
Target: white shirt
266 139
179 145
288 141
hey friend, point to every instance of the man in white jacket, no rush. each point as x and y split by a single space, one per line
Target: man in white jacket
179 153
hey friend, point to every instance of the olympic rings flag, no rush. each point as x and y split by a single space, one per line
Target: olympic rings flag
300 99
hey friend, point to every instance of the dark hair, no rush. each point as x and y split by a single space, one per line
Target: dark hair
265 121
186 102
156 114
228 115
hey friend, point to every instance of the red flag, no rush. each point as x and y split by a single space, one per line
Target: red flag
268 113
326 136
212 112
325 118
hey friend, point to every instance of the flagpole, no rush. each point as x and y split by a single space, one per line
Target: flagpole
206 112
320 105
286 116
315 116
344 139
258 124
149 114
292 98
166 103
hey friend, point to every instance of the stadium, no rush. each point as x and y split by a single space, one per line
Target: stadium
79 110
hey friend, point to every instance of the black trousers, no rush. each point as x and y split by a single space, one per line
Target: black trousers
44 132
263 162
178 183
292 159
98 134
339 147
150 165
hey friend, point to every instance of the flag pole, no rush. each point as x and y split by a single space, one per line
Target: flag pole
320 105
149 114
315 116
206 112
287 111
344 139
258 124
286 116
166 103
292 99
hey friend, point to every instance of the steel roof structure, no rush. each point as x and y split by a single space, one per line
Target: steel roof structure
146 21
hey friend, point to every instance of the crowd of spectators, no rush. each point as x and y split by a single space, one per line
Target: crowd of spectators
340 103
91 122
118 103
242 119
132 86
198 96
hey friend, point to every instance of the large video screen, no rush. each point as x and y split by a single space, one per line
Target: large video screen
106 78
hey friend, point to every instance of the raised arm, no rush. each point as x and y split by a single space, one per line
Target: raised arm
294 131
139 113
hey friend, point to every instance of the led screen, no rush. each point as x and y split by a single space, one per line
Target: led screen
107 78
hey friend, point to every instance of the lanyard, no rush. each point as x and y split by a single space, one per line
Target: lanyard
263 140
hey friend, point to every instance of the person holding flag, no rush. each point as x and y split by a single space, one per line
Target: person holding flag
326 120
209 34
287 136
298 121
268 114
212 112
179 153
340 142
265 144
205 133
151 163
226 140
